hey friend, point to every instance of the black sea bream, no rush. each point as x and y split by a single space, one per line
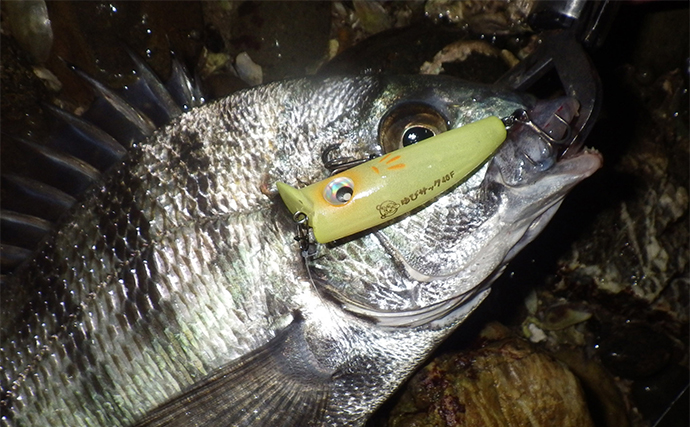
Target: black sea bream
176 294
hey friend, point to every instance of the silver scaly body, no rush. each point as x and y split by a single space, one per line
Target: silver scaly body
176 293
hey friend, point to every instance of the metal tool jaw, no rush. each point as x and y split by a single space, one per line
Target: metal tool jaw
569 26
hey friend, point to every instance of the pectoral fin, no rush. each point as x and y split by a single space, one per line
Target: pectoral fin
279 384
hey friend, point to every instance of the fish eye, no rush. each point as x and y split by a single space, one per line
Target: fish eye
339 191
409 123
415 134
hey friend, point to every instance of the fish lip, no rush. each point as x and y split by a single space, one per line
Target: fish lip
570 161
572 150
573 146
550 144
573 157
581 164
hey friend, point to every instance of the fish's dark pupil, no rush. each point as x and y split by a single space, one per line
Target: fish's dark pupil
415 134
343 194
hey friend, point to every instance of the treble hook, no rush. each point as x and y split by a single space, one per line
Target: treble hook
340 164
522 117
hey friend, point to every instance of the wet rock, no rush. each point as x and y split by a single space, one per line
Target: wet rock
483 17
30 26
635 351
475 60
653 394
505 382
287 39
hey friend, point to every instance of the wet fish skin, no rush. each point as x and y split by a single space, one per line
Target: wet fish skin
184 262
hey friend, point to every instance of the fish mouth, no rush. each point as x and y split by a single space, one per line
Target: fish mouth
550 121
543 145
555 118
566 149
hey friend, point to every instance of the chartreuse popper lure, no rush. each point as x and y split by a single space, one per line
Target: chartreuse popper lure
386 187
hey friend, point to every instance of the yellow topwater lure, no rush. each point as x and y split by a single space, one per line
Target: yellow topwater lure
386 187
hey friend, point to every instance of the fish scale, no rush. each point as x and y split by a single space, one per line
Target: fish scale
121 252
175 293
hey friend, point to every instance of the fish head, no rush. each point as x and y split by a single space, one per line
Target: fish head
422 267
